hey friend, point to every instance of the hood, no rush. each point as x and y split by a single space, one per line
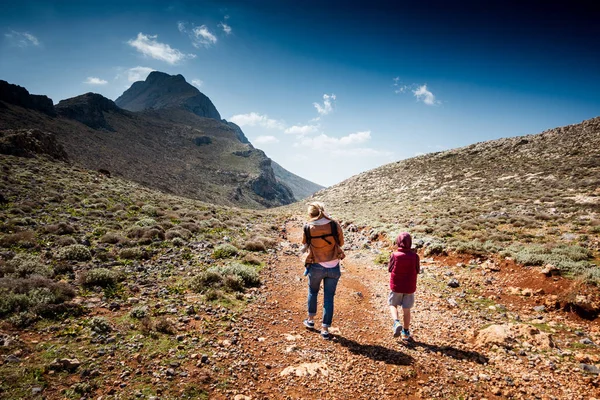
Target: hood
404 241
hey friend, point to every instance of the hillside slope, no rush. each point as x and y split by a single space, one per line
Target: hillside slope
499 196
111 289
170 148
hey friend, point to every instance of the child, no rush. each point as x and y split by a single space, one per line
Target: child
404 267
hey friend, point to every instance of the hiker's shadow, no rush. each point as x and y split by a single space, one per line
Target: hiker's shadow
449 351
376 352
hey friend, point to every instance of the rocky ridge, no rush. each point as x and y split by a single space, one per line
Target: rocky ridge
167 145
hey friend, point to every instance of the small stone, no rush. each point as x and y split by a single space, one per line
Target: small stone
590 368
539 308
453 283
170 372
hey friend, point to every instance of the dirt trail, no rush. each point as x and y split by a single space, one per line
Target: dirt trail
363 360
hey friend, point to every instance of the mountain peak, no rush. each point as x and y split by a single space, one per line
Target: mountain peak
161 91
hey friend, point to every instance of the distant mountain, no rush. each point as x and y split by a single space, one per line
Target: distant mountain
164 91
301 187
174 140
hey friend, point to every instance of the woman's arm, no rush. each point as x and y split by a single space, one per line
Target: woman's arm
340 233
418 265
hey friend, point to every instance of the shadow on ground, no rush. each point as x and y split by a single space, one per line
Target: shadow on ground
449 351
375 352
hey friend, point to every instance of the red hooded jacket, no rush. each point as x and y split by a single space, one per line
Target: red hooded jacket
404 266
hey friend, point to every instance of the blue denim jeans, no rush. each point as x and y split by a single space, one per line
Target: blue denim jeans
330 277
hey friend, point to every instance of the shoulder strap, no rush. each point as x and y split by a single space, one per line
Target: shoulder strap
307 233
334 232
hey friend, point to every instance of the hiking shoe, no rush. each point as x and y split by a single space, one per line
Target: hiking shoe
405 334
325 335
397 328
309 324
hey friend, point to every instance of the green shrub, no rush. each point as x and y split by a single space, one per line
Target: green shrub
178 242
112 238
178 232
225 251
75 252
134 253
475 247
251 259
146 222
164 325
23 266
234 283
25 239
435 248
190 226
63 241
254 245
62 228
99 325
382 258
205 280
568 259
150 210
25 294
100 277
139 312
248 274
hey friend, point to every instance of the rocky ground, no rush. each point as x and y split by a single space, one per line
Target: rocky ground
100 299
473 337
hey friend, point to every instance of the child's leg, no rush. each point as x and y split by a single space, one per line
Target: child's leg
406 321
394 312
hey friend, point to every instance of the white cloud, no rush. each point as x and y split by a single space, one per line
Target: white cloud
266 139
181 26
324 142
226 28
92 80
255 119
424 95
327 107
302 130
201 36
22 39
138 73
399 87
147 45
197 82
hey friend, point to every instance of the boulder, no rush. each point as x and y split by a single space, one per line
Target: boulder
305 369
31 142
509 335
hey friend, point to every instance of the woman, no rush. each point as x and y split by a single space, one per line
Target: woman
323 239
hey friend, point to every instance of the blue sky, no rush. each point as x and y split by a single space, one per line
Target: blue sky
327 89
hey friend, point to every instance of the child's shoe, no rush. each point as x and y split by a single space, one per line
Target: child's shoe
405 334
397 328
